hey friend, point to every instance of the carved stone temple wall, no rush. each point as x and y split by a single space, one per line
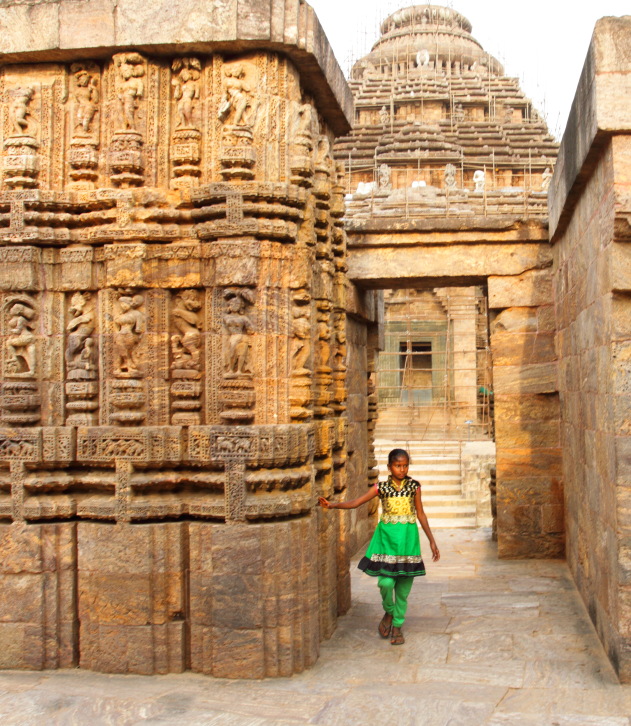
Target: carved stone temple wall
173 324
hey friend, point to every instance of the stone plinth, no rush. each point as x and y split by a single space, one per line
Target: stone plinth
590 206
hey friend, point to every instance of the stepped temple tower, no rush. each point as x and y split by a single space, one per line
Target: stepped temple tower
196 232
433 110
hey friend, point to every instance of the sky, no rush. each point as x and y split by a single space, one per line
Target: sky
541 42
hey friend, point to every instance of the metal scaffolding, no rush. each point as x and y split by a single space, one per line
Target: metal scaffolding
434 375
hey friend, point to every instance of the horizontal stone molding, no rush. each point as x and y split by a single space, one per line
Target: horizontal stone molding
45 445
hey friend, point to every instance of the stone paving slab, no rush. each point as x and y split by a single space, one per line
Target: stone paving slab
489 643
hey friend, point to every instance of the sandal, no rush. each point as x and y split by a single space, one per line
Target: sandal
384 626
397 637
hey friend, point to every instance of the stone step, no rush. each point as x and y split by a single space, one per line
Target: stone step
456 522
424 477
453 493
449 512
439 451
429 470
431 501
384 443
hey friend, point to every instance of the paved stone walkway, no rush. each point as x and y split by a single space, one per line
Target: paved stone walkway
489 643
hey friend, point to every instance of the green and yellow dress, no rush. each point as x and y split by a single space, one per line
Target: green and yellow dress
395 548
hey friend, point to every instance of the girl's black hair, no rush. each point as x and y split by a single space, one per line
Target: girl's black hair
397 454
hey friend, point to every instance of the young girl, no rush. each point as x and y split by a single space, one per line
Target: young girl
394 552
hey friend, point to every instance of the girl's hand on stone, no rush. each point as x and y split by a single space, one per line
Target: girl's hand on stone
325 503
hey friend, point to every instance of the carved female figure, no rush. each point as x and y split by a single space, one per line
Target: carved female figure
131 325
130 87
186 343
238 328
19 109
301 342
21 340
546 178
87 97
79 330
186 89
236 96
479 180
304 119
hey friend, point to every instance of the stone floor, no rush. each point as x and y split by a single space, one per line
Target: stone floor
489 643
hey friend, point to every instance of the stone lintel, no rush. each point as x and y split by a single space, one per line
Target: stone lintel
370 231
66 30
443 265
599 111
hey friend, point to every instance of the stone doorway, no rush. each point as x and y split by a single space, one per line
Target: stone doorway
434 390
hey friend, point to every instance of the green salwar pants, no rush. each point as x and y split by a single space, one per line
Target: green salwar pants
394 595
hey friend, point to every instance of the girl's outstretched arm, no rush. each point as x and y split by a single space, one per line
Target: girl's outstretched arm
422 518
353 504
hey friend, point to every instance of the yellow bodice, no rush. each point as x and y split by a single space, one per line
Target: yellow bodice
397 505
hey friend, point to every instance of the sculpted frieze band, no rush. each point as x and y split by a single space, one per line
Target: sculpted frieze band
168 292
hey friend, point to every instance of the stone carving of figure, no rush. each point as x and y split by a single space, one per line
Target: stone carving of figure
186 89
236 96
323 346
546 178
301 342
131 325
450 176
130 87
385 177
304 118
508 114
86 95
324 150
479 179
20 343
340 347
384 116
187 342
20 113
422 58
458 113
80 347
238 327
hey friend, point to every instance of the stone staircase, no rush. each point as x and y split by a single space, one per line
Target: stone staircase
436 465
